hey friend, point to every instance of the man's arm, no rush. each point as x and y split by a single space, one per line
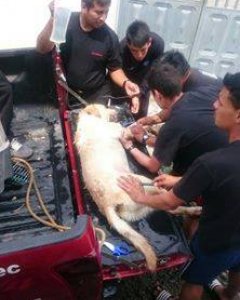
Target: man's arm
150 120
141 135
150 163
165 200
155 119
166 181
131 89
44 45
195 181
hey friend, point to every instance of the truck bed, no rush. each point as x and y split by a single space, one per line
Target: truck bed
37 124
162 230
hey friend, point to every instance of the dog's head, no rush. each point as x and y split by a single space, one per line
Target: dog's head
100 111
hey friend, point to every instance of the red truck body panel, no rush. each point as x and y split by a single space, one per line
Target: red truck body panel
69 269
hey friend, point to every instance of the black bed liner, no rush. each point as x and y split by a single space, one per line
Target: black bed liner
38 125
162 230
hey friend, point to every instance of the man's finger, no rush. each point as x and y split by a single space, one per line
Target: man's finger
122 183
135 105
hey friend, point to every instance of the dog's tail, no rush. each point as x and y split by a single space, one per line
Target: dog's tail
133 236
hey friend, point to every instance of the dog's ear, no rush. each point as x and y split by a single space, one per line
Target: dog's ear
93 110
100 111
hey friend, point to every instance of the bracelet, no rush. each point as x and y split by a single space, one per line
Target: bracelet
124 83
130 148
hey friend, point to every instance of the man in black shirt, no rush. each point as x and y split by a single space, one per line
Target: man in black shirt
139 49
189 130
191 80
215 176
91 52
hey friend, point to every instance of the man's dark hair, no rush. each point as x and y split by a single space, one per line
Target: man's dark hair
232 83
165 79
90 3
177 60
138 34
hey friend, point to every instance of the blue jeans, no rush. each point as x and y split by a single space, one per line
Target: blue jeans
206 267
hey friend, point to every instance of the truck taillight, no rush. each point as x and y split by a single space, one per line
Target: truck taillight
84 277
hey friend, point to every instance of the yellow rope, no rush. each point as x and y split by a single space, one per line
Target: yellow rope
100 234
33 185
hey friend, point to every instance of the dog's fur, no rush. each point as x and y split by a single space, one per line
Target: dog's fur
103 160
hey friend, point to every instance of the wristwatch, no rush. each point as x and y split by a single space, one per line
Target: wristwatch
145 138
129 149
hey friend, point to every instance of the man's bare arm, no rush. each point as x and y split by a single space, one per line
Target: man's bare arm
44 45
154 119
150 163
165 200
131 89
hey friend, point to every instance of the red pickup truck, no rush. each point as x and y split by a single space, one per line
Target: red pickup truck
38 262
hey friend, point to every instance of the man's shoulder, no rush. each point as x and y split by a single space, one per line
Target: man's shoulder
74 19
202 78
188 108
109 31
226 155
202 97
175 122
184 103
157 44
157 39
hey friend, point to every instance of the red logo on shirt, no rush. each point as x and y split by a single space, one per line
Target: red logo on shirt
94 53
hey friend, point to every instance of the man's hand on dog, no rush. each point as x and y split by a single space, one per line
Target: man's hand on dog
132 187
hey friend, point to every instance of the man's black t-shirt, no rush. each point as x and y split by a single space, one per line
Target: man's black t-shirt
198 79
137 70
88 55
216 177
189 132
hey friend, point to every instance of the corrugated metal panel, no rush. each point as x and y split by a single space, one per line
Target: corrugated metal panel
207 32
216 48
225 4
170 19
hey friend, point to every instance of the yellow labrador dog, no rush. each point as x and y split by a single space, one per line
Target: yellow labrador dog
103 160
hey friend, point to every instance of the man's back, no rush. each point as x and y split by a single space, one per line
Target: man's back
224 168
189 132
198 79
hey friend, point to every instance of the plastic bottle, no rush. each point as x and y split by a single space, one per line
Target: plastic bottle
60 22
